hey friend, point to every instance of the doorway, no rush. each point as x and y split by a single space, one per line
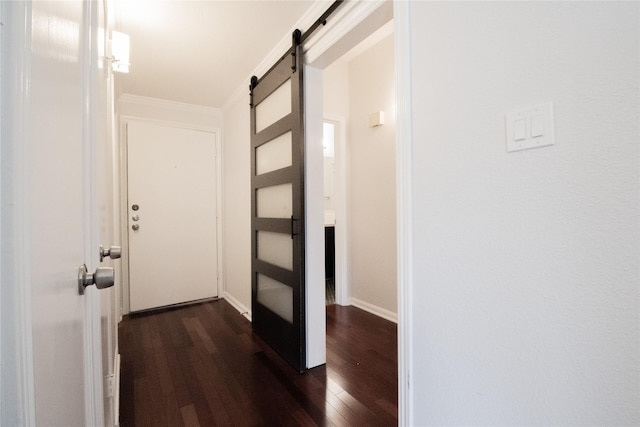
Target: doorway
359 195
322 61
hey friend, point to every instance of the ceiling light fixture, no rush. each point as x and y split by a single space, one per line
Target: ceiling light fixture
120 52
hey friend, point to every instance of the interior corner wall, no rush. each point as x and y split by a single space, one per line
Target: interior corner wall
336 89
236 203
372 189
525 299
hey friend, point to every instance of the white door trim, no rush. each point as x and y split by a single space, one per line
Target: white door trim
124 232
404 143
348 26
1 193
314 253
18 389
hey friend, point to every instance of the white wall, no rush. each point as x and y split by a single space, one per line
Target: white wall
525 281
236 204
336 89
372 201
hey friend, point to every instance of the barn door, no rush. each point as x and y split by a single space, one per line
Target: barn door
277 207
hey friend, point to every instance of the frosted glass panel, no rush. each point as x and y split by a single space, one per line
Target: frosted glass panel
275 202
276 296
274 107
276 249
274 155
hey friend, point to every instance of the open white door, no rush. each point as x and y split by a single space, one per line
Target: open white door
50 226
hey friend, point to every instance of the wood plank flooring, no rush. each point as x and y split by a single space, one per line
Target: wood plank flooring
201 365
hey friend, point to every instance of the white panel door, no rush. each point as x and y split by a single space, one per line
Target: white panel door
51 360
171 211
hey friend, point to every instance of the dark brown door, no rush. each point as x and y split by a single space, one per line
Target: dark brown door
277 208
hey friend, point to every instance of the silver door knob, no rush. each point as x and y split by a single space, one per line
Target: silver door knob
104 277
114 252
135 227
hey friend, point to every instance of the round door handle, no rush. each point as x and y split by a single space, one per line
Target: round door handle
135 227
104 277
114 252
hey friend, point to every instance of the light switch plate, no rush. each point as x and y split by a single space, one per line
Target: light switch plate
537 122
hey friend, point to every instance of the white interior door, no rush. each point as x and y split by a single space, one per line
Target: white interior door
51 360
171 215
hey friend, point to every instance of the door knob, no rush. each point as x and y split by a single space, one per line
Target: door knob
104 277
135 227
114 252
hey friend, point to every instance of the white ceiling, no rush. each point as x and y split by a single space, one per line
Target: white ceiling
200 52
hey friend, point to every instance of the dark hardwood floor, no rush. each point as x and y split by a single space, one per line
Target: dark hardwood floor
201 365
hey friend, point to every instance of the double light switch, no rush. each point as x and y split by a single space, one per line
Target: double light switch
530 127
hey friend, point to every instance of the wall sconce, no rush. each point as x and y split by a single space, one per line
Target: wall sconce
376 119
120 52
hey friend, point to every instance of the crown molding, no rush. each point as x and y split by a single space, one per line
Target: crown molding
166 104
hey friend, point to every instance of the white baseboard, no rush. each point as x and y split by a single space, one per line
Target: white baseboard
374 309
237 305
116 390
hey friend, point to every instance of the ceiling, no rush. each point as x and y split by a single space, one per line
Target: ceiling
200 52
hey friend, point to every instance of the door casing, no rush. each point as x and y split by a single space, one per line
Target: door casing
357 21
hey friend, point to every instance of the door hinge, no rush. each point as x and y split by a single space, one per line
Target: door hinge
110 385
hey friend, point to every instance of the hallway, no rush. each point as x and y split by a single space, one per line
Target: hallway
201 365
